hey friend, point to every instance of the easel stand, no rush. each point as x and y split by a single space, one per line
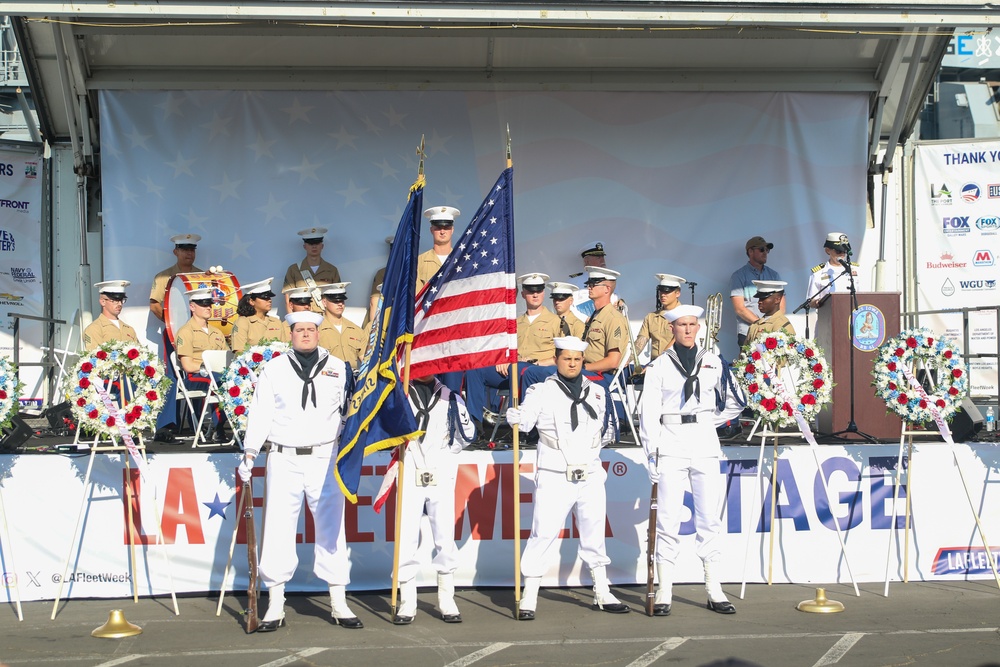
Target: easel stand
114 446
905 437
9 551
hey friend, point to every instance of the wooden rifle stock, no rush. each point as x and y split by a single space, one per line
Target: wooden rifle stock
253 620
651 552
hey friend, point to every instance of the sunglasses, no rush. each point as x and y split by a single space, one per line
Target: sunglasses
763 249
204 303
594 283
665 289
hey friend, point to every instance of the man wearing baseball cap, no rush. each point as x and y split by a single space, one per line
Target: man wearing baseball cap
742 289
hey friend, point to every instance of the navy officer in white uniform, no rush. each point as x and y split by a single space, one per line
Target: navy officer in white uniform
570 413
298 408
677 426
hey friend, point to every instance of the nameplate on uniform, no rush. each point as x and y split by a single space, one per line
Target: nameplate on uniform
330 373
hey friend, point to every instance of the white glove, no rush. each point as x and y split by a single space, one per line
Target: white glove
653 470
513 416
245 470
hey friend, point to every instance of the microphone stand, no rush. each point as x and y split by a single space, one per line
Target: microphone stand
824 292
692 285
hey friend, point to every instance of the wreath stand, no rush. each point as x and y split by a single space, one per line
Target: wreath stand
10 551
139 452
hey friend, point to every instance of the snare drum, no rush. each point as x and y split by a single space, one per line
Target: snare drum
176 311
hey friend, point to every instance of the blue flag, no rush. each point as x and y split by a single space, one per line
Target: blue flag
379 414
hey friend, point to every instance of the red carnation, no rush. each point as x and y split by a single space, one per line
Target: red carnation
137 410
930 341
234 391
923 403
749 369
899 352
892 386
86 367
92 414
808 399
753 388
244 371
133 354
911 342
818 368
257 357
809 353
771 343
276 354
81 401
769 404
129 419
3 394
149 371
817 383
101 354
84 383
891 365
239 409
110 421
956 372
151 395
953 391
787 408
903 400
947 354
940 403
755 355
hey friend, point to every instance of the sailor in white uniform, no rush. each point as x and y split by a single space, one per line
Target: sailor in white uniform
677 428
569 412
823 277
429 488
297 408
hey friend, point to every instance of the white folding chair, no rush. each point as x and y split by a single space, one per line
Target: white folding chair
61 357
214 362
187 395
619 392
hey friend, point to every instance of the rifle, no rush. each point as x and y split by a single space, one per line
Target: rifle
651 547
252 618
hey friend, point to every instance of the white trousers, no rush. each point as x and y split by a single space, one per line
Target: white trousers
290 479
438 503
555 497
708 486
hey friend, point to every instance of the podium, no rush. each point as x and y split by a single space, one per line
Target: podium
837 328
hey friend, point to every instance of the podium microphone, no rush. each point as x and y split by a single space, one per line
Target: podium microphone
846 264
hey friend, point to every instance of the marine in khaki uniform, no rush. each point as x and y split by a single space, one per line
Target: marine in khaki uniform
312 272
769 295
185 249
606 332
337 334
442 227
107 327
197 335
253 324
655 328
298 300
562 304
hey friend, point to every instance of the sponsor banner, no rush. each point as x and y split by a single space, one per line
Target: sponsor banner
957 207
21 289
192 499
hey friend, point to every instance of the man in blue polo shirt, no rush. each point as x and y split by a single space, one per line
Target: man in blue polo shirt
742 289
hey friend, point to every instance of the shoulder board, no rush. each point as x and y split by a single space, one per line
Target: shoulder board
818 267
855 264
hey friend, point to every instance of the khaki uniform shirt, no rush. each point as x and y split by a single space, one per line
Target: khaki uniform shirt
770 323
534 339
656 328
607 330
570 325
160 280
191 342
348 344
427 265
251 330
102 330
326 274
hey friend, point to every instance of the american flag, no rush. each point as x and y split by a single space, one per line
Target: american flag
466 314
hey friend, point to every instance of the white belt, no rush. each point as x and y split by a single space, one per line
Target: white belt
669 420
316 450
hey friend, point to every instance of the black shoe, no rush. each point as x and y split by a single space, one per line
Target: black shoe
451 618
271 626
402 620
353 623
724 607
616 608
661 610
526 615
165 435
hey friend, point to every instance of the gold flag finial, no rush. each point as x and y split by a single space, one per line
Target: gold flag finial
422 155
510 162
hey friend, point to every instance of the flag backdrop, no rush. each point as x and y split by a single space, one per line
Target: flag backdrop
379 414
466 314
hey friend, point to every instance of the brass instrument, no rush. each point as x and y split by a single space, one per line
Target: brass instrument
713 321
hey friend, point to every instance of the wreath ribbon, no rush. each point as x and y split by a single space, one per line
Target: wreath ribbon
931 406
115 413
786 397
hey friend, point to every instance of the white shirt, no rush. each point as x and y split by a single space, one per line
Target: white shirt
547 406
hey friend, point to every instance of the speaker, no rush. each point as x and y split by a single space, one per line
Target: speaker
60 418
967 422
16 434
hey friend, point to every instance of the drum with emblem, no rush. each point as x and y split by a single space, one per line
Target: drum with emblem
226 292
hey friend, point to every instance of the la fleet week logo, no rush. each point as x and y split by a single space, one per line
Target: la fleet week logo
941 196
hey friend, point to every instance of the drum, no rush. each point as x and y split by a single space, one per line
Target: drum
176 311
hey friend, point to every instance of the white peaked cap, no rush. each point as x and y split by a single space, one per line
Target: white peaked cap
836 238
533 279
112 286
304 316
185 239
258 287
298 293
668 280
201 293
444 213
683 311
570 343
601 272
769 286
563 288
335 288
313 233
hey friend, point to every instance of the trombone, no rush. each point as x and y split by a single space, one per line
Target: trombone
713 321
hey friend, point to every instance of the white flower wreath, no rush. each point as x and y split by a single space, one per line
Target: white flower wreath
144 392
240 379
10 391
760 360
939 356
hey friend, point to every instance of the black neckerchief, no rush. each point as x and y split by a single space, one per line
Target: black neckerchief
686 361
573 388
425 398
307 366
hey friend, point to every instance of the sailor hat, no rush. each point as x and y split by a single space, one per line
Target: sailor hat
837 241
668 280
599 273
313 233
442 215
683 311
304 316
570 343
112 286
261 288
563 288
185 240
766 288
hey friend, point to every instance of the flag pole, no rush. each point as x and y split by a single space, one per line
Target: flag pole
514 393
407 347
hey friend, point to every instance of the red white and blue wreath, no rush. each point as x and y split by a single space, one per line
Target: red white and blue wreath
94 403
10 391
240 380
895 369
769 354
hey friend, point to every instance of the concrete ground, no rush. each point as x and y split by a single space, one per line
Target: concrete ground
941 623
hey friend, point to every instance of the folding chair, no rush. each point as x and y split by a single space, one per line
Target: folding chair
61 356
188 396
619 392
215 362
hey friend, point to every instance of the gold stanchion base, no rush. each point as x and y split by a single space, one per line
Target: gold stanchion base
116 627
820 605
